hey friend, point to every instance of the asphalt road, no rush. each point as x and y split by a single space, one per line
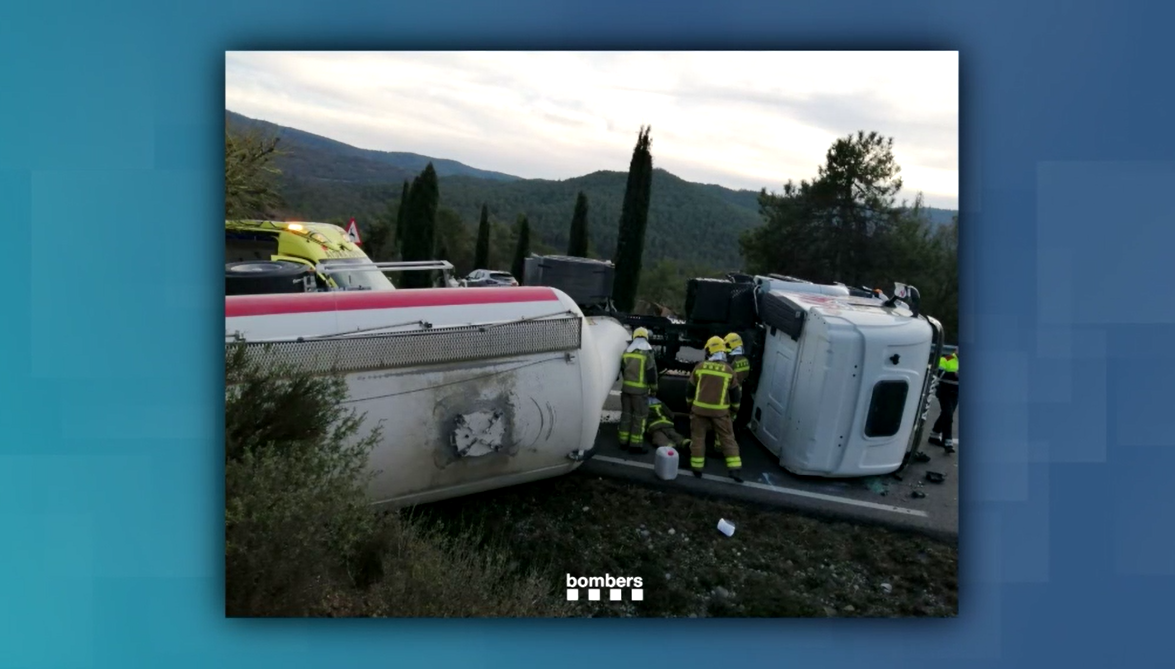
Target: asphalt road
886 500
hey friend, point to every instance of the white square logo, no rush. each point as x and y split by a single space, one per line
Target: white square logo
596 586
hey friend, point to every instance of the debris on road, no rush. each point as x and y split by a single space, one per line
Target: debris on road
875 485
918 494
936 477
725 527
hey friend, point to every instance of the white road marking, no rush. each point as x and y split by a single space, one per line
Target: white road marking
609 416
786 491
614 393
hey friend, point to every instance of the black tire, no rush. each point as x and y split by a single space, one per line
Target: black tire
266 277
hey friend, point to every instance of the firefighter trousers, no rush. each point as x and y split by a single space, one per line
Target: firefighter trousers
723 430
948 401
634 409
666 436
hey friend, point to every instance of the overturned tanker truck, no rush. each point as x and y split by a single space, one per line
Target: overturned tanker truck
475 388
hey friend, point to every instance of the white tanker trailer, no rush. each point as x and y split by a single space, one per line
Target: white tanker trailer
475 388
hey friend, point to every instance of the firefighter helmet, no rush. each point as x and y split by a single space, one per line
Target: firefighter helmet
640 333
715 345
733 341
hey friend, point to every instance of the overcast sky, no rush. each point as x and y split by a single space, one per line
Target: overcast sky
739 119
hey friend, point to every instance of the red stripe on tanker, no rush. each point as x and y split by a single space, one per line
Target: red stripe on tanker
298 303
284 317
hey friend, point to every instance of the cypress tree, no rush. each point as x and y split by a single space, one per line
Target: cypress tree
481 254
577 244
522 249
420 216
400 219
634 217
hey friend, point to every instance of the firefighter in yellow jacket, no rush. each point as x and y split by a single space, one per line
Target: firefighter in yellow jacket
742 369
713 397
638 374
660 428
738 357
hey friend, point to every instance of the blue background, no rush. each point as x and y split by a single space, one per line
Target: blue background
110 388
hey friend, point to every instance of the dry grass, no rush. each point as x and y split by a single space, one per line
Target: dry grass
776 565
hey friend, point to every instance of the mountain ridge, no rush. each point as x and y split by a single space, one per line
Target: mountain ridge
689 222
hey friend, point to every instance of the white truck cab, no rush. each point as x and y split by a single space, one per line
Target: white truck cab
843 380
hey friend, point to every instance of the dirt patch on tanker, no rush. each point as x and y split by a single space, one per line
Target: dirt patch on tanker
777 564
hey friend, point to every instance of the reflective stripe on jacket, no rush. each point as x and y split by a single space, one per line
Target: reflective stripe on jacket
742 368
638 371
713 389
659 417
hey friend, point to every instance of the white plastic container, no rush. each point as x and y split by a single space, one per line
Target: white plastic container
665 464
726 527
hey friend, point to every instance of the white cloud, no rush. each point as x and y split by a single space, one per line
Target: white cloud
741 119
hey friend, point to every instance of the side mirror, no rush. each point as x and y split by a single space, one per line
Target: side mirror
907 294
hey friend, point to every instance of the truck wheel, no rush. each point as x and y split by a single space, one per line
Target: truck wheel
265 277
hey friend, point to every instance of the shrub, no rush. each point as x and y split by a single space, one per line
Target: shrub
301 538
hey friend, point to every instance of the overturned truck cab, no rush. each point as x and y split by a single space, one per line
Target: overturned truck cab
474 389
845 380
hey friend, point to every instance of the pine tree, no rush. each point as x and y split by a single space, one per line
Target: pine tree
577 245
481 254
634 218
420 217
522 249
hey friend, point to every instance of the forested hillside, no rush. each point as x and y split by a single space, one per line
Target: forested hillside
687 222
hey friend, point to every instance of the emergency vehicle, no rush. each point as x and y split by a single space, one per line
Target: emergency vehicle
291 257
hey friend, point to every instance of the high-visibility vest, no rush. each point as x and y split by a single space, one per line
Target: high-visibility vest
742 367
948 369
640 360
659 419
712 380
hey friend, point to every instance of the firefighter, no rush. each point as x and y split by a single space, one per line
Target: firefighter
713 399
948 400
738 357
638 373
742 369
660 426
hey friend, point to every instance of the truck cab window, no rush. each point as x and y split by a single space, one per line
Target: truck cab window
886 408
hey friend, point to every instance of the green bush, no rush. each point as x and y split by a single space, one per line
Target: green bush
301 538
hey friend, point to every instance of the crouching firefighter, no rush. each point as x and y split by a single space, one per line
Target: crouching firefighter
638 373
660 426
713 399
